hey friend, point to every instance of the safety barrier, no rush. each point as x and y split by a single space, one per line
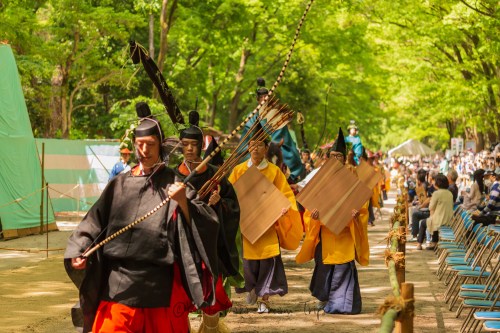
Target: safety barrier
398 309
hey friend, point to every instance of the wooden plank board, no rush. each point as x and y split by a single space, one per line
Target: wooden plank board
16 233
368 175
260 203
334 191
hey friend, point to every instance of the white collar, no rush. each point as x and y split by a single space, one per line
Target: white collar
261 166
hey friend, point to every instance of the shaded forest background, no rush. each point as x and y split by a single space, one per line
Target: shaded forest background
427 70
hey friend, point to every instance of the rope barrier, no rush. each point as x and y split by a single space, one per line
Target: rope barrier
66 195
18 200
31 250
396 307
398 258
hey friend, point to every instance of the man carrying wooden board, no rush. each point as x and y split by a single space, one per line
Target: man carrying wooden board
269 220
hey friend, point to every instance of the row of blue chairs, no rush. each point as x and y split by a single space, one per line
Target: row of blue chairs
469 265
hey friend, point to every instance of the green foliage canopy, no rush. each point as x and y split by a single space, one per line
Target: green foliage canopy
427 70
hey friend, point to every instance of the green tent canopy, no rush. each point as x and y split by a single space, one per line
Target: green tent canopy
20 170
77 171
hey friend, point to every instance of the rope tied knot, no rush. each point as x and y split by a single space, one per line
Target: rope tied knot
400 235
397 257
399 304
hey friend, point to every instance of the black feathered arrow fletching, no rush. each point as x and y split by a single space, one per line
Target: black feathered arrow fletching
139 54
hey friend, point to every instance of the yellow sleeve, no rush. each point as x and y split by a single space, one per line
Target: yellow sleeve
376 196
312 227
289 229
289 226
282 185
359 232
237 172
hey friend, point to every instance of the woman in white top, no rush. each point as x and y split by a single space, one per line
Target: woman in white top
441 211
473 198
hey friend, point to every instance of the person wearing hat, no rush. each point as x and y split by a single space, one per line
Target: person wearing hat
291 156
491 212
355 140
263 268
225 203
122 165
147 278
335 279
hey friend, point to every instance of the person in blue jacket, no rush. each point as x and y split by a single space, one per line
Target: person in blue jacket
291 155
121 166
355 140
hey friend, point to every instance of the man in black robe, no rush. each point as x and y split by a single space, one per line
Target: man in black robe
224 201
148 278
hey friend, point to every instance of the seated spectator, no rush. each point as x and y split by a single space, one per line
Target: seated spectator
441 211
474 195
421 210
452 180
410 184
489 214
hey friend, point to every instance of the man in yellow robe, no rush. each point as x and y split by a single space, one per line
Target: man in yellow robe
262 264
335 280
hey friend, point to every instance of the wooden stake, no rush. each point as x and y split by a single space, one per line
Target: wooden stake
42 191
405 324
47 216
401 248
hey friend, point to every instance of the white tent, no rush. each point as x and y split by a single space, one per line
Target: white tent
411 147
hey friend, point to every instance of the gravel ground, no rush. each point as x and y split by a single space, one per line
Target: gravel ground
36 294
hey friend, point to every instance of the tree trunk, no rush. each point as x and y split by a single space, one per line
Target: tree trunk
166 21
237 92
105 101
64 111
151 35
480 140
212 107
492 137
55 102
450 127
66 69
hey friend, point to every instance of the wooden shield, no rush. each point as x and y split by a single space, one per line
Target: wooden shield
334 191
260 203
368 175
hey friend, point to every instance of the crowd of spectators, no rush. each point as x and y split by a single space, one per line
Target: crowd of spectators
469 179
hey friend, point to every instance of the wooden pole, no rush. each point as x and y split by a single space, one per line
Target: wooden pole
47 216
407 208
407 315
42 192
401 248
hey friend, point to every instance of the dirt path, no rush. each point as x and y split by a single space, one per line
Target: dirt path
36 295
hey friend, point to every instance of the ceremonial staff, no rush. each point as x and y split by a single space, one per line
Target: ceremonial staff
171 109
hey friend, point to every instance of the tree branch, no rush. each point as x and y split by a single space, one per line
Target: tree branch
447 54
83 106
81 85
477 10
